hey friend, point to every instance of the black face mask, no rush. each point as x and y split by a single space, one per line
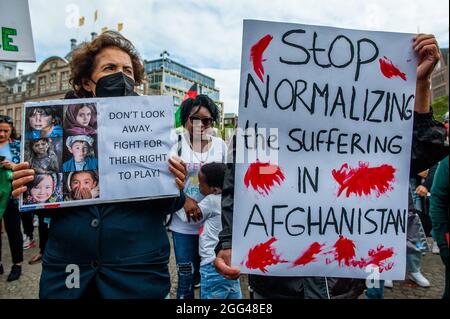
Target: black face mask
117 84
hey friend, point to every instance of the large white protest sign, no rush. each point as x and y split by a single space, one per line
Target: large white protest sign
16 41
323 188
90 151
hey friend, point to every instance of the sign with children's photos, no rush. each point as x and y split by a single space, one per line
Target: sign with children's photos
91 151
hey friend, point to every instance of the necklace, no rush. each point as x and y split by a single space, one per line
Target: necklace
201 153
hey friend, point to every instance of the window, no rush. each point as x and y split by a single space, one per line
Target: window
9 112
18 119
64 76
53 78
438 92
53 65
42 80
438 79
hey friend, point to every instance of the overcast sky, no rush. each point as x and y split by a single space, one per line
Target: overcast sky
206 34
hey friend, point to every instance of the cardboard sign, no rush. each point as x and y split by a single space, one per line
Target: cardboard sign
322 173
16 41
90 151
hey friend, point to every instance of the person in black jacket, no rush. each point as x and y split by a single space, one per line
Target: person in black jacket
428 148
119 250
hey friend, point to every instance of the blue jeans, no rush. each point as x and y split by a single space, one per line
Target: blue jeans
215 286
376 293
188 263
416 198
413 261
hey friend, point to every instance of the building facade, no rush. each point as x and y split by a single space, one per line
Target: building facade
168 77
230 120
49 82
439 78
7 70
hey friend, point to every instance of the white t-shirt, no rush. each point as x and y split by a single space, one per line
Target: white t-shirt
212 225
217 153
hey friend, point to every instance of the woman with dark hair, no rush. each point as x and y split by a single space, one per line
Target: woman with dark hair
10 154
80 119
198 146
121 250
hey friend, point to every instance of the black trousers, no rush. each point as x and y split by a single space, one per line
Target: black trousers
445 296
43 233
11 219
27 222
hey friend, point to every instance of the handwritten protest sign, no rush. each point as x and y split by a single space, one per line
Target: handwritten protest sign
16 38
321 184
90 151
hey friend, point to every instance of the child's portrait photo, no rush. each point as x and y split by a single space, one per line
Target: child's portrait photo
44 154
45 188
80 119
80 154
81 185
43 122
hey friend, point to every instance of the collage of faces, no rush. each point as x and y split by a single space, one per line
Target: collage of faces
61 146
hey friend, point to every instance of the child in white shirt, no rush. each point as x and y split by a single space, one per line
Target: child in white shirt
213 285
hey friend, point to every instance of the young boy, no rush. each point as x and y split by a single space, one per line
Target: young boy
80 146
213 285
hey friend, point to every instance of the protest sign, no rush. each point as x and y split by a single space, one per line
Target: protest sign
97 150
323 151
16 41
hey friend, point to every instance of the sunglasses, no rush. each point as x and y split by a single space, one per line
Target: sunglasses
6 119
206 121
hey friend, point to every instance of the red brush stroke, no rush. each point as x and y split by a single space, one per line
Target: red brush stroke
344 251
262 177
364 179
256 54
309 255
263 255
389 70
377 257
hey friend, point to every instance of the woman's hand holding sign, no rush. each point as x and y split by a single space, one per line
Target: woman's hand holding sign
427 49
178 169
22 175
7 164
223 265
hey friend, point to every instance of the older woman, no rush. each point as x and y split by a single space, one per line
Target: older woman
118 250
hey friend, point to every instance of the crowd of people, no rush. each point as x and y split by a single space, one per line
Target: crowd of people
122 249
